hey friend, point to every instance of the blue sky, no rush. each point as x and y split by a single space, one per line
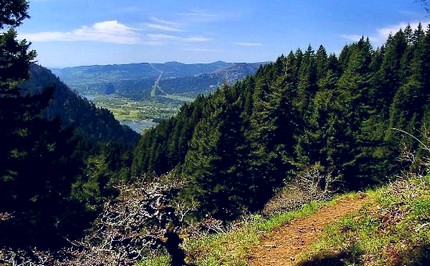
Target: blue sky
87 32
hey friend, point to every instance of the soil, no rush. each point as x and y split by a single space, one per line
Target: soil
283 245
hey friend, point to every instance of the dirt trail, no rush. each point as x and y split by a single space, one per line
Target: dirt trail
285 243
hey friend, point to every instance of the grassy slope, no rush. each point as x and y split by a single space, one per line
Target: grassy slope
392 229
232 246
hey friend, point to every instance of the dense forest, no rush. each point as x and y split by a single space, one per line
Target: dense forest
59 155
344 113
67 166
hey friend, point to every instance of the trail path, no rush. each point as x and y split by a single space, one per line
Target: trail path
285 243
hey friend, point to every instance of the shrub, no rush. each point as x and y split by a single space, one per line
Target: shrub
311 184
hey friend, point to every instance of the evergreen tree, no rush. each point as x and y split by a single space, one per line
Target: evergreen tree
200 167
216 163
409 103
307 84
315 144
303 109
37 163
270 132
388 78
321 59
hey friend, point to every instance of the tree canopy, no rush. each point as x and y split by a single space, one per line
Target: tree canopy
237 145
52 180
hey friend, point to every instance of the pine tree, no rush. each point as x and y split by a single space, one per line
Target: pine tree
322 64
388 78
200 167
314 145
307 83
216 161
37 163
410 100
352 107
303 109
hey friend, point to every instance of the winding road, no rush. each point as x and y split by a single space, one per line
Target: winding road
156 85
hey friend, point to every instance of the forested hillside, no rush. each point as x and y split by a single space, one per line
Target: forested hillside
60 156
343 113
94 123
77 188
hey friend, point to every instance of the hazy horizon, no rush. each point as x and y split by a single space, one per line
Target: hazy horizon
70 33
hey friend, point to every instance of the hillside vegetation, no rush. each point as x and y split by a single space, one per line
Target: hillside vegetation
204 186
96 124
386 226
60 156
342 113
391 229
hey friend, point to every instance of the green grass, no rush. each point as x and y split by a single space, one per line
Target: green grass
128 110
232 247
160 260
181 98
392 229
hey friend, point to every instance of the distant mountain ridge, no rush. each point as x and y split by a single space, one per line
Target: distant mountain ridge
142 81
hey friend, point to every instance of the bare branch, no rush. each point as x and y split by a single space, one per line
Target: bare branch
143 217
313 183
412 136
419 164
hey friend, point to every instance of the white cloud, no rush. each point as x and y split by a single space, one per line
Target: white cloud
203 16
159 24
248 44
196 39
160 38
107 31
351 37
381 35
200 50
153 32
